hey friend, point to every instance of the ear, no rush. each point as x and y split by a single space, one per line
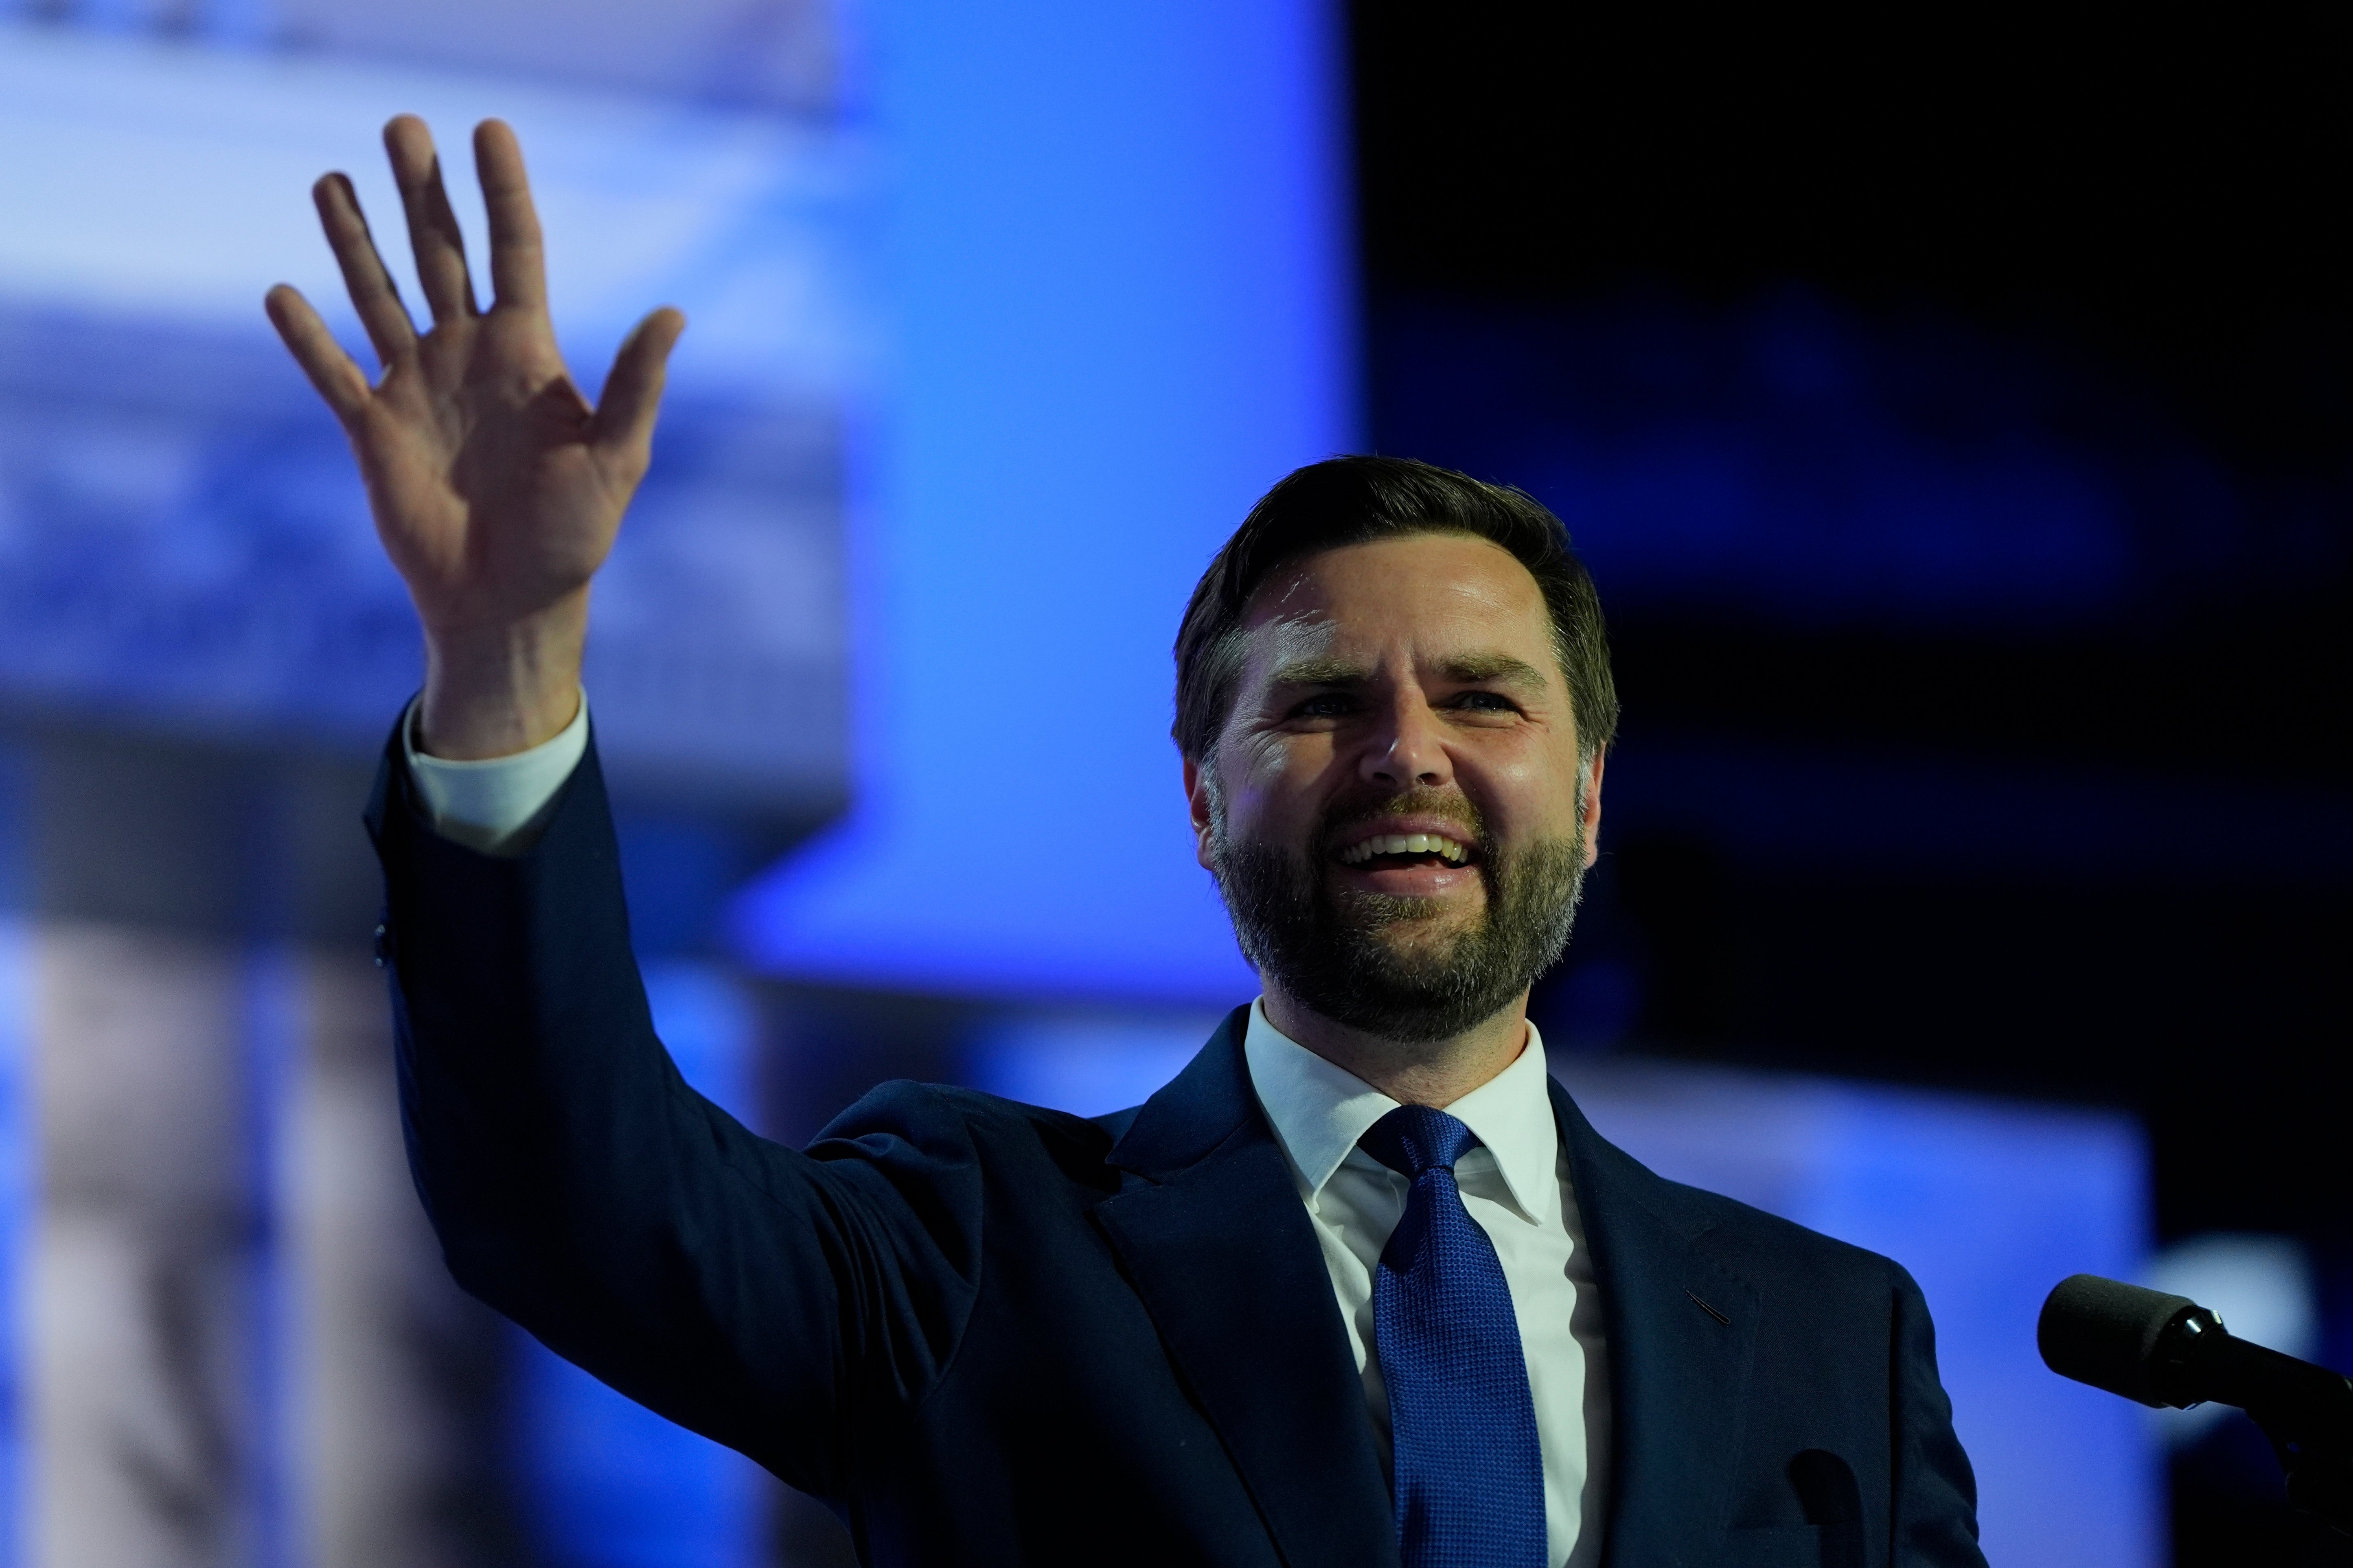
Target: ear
1197 798
1593 806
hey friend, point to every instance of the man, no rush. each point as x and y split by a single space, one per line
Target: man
1360 1285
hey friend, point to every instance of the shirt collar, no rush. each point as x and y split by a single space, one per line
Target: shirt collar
1319 1110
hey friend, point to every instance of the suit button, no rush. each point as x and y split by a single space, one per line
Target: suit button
382 945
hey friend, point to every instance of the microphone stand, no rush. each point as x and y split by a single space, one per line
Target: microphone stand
2306 1410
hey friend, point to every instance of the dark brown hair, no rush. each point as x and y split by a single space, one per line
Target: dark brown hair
1349 500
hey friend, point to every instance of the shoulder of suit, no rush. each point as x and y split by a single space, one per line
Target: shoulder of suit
1761 1244
939 1118
1744 1235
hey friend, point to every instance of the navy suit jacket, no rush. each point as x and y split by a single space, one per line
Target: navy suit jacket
991 1333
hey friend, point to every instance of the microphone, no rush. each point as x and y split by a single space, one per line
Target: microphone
2166 1350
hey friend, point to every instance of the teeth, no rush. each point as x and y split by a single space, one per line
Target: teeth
1405 844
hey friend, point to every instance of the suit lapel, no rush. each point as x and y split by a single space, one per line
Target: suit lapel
1213 1234
1682 1330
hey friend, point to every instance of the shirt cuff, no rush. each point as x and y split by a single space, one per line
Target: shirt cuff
497 805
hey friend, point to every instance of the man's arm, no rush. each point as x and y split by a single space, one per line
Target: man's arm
770 1300
766 1297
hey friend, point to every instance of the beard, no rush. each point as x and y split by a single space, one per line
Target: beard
1388 965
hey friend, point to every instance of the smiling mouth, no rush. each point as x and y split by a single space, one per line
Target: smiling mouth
1398 851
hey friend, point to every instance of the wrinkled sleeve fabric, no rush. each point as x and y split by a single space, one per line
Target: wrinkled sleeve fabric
1935 1501
767 1298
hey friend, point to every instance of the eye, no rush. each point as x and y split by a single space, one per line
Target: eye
1325 705
1486 702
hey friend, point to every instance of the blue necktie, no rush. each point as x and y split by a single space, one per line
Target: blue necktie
1469 1469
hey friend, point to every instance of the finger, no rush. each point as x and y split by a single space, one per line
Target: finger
433 234
518 268
373 293
623 428
342 383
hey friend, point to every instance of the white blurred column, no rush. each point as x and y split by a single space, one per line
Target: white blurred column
242 1347
393 1376
145 1238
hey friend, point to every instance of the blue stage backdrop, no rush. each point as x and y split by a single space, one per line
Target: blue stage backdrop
1120 275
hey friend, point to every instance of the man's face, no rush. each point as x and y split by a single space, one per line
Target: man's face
1396 816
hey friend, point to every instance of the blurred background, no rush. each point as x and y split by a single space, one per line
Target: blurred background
1956 418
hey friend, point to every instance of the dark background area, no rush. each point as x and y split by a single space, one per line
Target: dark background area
2074 834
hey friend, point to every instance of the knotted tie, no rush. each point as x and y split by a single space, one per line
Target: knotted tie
1469 1469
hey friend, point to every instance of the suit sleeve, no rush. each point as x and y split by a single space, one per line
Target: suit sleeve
764 1297
1936 1503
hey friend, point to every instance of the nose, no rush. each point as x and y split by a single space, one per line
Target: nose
1408 752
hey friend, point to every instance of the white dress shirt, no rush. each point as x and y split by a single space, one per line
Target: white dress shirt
497 805
1515 1183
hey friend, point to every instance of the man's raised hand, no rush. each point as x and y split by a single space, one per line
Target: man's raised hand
496 489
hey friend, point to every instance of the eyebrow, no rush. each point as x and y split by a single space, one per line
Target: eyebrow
1499 667
1321 672
1469 668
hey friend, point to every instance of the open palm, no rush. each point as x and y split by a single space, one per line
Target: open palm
497 488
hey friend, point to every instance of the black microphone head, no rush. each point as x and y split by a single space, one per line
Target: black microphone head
2105 1332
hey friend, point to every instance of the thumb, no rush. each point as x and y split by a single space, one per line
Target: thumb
623 426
